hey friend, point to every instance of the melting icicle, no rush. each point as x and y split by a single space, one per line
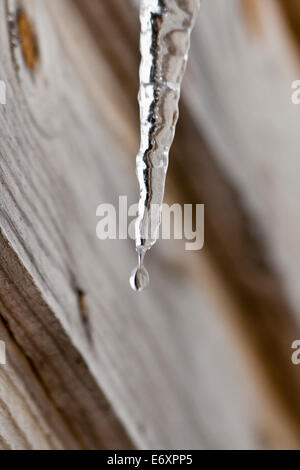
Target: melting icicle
166 27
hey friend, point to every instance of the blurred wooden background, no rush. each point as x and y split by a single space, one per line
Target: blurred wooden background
203 358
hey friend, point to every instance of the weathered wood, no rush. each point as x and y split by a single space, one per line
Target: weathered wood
225 146
28 419
160 370
161 361
249 122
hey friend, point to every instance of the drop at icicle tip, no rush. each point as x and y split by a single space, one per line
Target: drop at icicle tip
139 278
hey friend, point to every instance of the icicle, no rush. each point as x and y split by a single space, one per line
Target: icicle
166 27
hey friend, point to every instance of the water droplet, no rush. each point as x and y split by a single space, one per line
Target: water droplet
139 278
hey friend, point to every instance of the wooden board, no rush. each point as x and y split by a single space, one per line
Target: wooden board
239 237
